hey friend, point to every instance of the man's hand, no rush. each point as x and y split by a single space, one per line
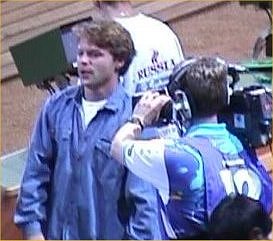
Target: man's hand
147 110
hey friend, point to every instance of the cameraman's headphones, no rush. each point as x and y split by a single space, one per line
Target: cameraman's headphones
183 101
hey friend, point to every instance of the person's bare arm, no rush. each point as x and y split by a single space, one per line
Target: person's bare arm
146 111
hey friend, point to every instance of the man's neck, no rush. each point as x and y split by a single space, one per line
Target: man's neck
99 93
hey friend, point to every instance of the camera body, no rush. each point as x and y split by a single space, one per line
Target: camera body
167 112
249 116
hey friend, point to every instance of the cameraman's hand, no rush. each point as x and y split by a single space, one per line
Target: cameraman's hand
148 108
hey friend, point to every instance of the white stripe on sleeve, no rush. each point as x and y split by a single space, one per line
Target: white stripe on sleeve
146 160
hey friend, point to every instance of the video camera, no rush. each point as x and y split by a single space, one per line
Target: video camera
167 113
248 116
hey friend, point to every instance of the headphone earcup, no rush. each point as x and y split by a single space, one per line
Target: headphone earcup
228 93
178 92
172 87
182 104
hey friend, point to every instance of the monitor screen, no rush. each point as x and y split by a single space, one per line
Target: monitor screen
46 55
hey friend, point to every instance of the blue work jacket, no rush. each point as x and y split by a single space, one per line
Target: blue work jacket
72 188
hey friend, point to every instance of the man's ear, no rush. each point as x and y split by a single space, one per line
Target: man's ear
119 64
256 233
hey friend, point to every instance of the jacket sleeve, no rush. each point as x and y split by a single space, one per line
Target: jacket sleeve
144 212
31 204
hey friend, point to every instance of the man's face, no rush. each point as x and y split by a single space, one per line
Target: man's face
96 66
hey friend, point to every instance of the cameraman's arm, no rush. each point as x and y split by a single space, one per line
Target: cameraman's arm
146 111
142 157
146 160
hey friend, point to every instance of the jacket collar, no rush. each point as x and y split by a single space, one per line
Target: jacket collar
114 102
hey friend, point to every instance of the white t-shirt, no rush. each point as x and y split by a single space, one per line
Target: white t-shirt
157 51
90 109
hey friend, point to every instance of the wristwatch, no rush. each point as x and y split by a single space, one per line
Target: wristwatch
136 120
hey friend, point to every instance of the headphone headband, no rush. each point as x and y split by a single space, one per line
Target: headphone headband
181 69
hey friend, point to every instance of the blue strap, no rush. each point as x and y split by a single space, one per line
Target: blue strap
212 159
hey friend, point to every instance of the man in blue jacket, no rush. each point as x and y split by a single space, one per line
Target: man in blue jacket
72 188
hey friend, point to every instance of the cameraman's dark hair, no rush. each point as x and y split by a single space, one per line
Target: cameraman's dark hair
236 217
98 3
259 4
206 82
109 35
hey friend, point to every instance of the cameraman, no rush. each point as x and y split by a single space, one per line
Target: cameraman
192 174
